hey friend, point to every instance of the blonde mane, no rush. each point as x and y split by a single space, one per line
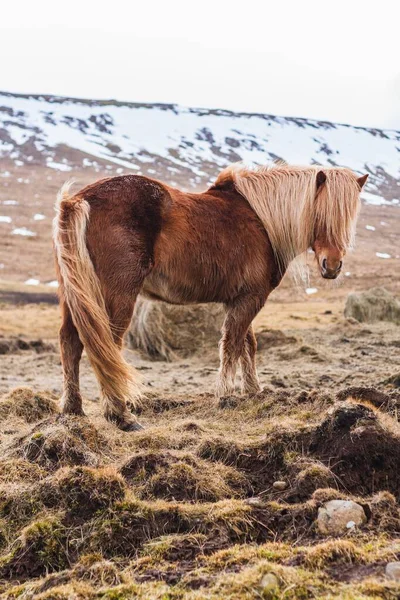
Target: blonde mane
293 209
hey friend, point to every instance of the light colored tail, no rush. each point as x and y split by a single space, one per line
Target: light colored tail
81 286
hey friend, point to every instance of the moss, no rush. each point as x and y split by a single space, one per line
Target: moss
18 506
41 547
175 547
335 551
70 591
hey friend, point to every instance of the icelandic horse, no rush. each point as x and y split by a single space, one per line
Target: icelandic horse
232 244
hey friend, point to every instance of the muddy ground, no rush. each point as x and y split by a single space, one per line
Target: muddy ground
187 508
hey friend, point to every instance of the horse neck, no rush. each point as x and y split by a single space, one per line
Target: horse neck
284 200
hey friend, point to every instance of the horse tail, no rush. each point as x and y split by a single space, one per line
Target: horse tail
82 290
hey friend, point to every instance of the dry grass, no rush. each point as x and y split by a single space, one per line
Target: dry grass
169 513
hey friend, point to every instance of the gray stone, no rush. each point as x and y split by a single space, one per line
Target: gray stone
392 571
269 585
254 501
280 485
339 516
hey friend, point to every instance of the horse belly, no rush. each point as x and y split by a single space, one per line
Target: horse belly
182 287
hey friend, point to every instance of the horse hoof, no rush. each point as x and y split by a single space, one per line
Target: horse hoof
130 426
126 423
76 412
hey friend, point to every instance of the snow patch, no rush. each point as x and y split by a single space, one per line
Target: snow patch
23 231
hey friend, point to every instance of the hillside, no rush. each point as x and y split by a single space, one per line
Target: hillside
188 145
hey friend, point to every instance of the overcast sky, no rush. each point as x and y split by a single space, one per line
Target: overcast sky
335 60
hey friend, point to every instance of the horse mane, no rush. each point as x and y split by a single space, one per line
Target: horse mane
293 209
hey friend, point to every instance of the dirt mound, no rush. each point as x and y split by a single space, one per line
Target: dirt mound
182 476
361 447
82 491
271 338
15 345
18 469
69 442
376 304
41 547
164 331
27 405
387 402
188 507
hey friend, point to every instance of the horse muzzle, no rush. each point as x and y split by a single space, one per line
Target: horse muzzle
328 272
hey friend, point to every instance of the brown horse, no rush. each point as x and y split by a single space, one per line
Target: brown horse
231 244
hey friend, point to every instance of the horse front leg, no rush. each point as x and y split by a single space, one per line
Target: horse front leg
250 382
239 316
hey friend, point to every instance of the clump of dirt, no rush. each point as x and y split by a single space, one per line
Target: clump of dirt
385 512
41 548
271 338
362 449
178 547
68 442
389 402
22 402
310 476
15 345
182 476
82 491
333 552
19 470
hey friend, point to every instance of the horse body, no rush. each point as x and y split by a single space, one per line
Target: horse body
128 235
211 248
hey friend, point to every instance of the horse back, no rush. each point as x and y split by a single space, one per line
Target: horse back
208 247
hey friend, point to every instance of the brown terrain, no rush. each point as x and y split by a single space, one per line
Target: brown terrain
188 507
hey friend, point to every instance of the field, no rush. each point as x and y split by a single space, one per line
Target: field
214 499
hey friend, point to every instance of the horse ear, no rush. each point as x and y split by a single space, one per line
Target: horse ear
361 181
321 178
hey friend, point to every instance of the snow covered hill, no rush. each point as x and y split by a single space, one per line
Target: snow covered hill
184 145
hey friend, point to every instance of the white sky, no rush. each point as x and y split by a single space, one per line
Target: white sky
337 60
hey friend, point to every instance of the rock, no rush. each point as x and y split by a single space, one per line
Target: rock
338 516
376 304
280 485
255 501
392 571
164 331
269 585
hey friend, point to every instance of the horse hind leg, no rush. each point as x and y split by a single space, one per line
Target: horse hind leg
120 310
71 352
250 382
